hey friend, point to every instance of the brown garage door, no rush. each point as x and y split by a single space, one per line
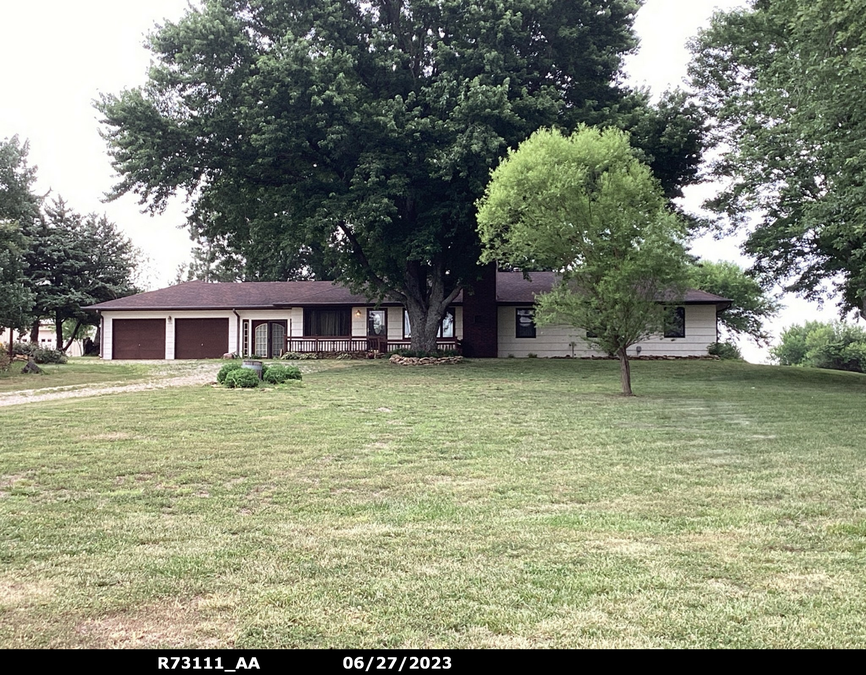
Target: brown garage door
200 338
138 339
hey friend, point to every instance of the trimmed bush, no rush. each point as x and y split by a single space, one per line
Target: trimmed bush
243 378
226 369
725 351
279 374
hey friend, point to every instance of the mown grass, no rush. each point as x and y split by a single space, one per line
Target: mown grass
516 503
78 371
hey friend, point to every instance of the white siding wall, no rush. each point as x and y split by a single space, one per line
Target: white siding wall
554 340
296 319
700 333
395 323
359 321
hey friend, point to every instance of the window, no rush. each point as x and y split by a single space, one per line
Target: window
446 327
376 323
328 322
675 322
261 349
525 323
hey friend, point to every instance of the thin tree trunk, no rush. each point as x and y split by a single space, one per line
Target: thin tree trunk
74 334
58 331
34 332
625 372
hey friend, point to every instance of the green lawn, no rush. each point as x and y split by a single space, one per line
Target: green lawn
515 503
78 371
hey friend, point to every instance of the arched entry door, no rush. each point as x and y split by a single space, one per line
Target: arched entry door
270 338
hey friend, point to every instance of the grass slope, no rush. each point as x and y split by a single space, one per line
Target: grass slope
515 503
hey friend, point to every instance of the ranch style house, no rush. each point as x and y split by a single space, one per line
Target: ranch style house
199 320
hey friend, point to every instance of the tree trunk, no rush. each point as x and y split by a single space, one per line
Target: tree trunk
424 323
34 332
625 372
74 334
426 299
58 331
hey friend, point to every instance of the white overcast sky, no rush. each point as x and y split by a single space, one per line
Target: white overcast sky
56 56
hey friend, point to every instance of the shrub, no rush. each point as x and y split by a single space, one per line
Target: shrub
279 374
226 369
48 356
299 356
530 355
23 349
38 354
4 359
244 378
837 346
725 350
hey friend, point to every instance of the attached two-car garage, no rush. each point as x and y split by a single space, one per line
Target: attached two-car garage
193 338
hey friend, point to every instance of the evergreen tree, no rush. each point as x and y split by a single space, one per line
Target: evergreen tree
19 206
75 261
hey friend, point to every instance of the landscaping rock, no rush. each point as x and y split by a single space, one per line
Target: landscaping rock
425 360
31 367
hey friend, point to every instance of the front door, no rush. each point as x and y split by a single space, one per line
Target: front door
270 339
377 330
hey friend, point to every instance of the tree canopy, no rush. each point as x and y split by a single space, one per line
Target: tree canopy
780 81
585 206
838 346
74 261
752 303
366 131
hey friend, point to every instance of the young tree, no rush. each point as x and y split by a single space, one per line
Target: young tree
585 206
779 81
364 130
752 302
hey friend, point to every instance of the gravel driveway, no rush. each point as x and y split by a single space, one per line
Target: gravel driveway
180 374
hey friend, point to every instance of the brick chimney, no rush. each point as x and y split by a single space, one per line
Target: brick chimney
480 326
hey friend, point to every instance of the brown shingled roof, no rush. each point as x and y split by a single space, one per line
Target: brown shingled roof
250 295
511 288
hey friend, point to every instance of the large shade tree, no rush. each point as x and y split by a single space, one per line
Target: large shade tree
586 207
782 82
367 130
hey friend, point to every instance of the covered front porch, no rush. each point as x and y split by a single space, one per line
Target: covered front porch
325 344
337 330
